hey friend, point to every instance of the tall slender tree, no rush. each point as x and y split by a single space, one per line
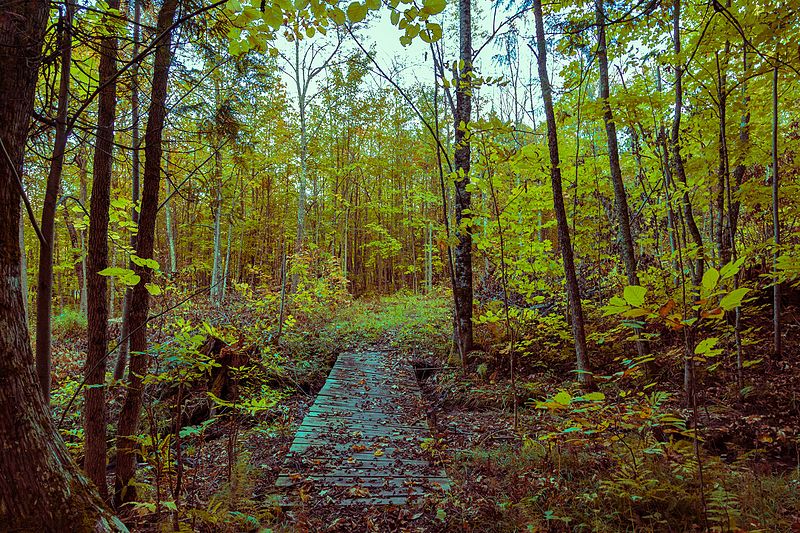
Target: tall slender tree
97 288
463 198
776 221
44 286
564 241
620 196
124 333
124 490
677 157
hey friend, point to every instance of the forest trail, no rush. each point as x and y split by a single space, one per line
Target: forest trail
362 441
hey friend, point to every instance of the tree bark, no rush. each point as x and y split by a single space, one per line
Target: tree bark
463 197
573 290
23 265
44 285
41 487
97 289
140 300
723 170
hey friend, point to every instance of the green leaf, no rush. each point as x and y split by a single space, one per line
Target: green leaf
634 295
433 7
710 279
153 289
733 299
731 269
706 347
337 16
356 12
115 271
563 398
273 16
594 396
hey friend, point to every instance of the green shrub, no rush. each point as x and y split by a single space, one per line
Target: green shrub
70 323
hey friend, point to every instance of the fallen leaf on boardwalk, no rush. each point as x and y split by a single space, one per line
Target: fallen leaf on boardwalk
378 453
359 448
359 491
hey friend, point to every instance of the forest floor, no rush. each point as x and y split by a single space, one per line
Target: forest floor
531 454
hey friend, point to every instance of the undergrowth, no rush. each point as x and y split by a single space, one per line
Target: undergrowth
619 458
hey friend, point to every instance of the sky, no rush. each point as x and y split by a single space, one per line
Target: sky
378 32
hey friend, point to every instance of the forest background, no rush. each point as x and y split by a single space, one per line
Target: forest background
580 219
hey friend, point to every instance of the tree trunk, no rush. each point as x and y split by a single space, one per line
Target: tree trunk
776 222
744 139
217 253
227 262
95 369
573 291
723 244
125 491
75 243
44 285
676 145
463 197
620 197
173 261
80 159
124 330
303 177
41 487
23 265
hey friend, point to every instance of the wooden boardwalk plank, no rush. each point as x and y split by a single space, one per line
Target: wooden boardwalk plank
360 442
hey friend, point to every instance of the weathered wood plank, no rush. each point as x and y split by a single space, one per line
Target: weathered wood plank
360 441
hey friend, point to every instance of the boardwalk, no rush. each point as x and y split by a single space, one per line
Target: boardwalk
361 440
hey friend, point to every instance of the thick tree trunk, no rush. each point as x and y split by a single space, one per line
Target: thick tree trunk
463 198
44 285
676 145
573 290
41 487
95 370
125 491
